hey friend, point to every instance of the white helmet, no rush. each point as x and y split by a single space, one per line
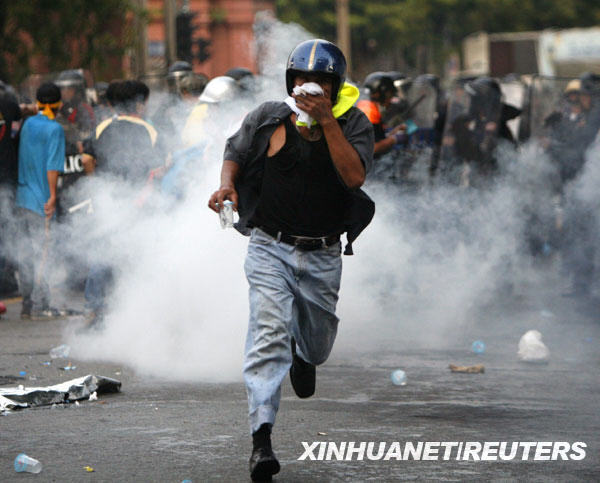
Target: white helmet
220 89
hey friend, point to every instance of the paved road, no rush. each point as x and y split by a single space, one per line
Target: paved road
155 430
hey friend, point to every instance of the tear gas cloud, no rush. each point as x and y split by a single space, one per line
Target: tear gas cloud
422 268
180 306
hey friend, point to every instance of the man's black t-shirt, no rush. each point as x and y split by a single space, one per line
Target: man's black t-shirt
126 147
301 191
9 113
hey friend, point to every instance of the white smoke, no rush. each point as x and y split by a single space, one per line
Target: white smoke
423 272
179 308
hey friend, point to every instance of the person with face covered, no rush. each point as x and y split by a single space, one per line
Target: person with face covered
293 171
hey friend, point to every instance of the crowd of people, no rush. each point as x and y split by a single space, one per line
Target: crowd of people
293 171
423 136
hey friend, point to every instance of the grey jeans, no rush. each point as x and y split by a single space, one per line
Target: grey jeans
33 260
293 293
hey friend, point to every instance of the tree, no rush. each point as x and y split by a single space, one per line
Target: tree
419 34
63 32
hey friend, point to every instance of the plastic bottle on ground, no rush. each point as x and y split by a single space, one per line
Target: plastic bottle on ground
399 377
24 463
478 347
61 351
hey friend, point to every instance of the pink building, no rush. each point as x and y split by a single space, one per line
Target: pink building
225 25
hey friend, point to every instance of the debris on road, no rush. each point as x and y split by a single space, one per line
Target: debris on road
89 469
477 369
68 367
69 391
398 377
61 351
24 463
478 347
532 349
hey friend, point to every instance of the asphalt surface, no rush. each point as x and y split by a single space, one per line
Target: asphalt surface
156 430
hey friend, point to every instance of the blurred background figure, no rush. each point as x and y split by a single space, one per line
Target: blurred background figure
217 93
101 107
41 159
379 90
475 122
10 113
76 115
126 150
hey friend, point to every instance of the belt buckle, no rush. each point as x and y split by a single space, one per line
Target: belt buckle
309 243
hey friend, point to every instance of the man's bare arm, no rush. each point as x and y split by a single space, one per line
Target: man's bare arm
229 173
50 205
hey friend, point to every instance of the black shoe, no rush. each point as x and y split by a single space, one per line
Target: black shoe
263 464
26 313
303 375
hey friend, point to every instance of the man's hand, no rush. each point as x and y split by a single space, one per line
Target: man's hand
49 207
317 107
398 129
89 163
222 194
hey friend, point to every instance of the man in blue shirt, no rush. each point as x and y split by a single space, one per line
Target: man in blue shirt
41 159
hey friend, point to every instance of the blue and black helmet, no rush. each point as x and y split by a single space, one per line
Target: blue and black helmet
317 56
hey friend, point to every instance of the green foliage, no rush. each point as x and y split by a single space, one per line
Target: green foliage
398 28
50 29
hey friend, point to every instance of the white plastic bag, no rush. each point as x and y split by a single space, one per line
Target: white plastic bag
531 347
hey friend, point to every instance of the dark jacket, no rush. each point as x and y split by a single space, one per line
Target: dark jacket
248 148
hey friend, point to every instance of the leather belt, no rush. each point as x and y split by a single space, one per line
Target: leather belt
306 243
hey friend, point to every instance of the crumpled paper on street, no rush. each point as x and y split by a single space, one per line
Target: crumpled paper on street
68 391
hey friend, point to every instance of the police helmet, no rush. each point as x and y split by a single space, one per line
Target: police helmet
177 71
72 78
590 83
379 83
484 89
193 84
180 66
573 87
431 79
244 77
220 89
317 56
238 73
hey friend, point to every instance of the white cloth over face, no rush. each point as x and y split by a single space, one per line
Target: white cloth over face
306 89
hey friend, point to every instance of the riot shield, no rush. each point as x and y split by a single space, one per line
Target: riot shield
470 135
414 157
545 102
514 93
422 104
